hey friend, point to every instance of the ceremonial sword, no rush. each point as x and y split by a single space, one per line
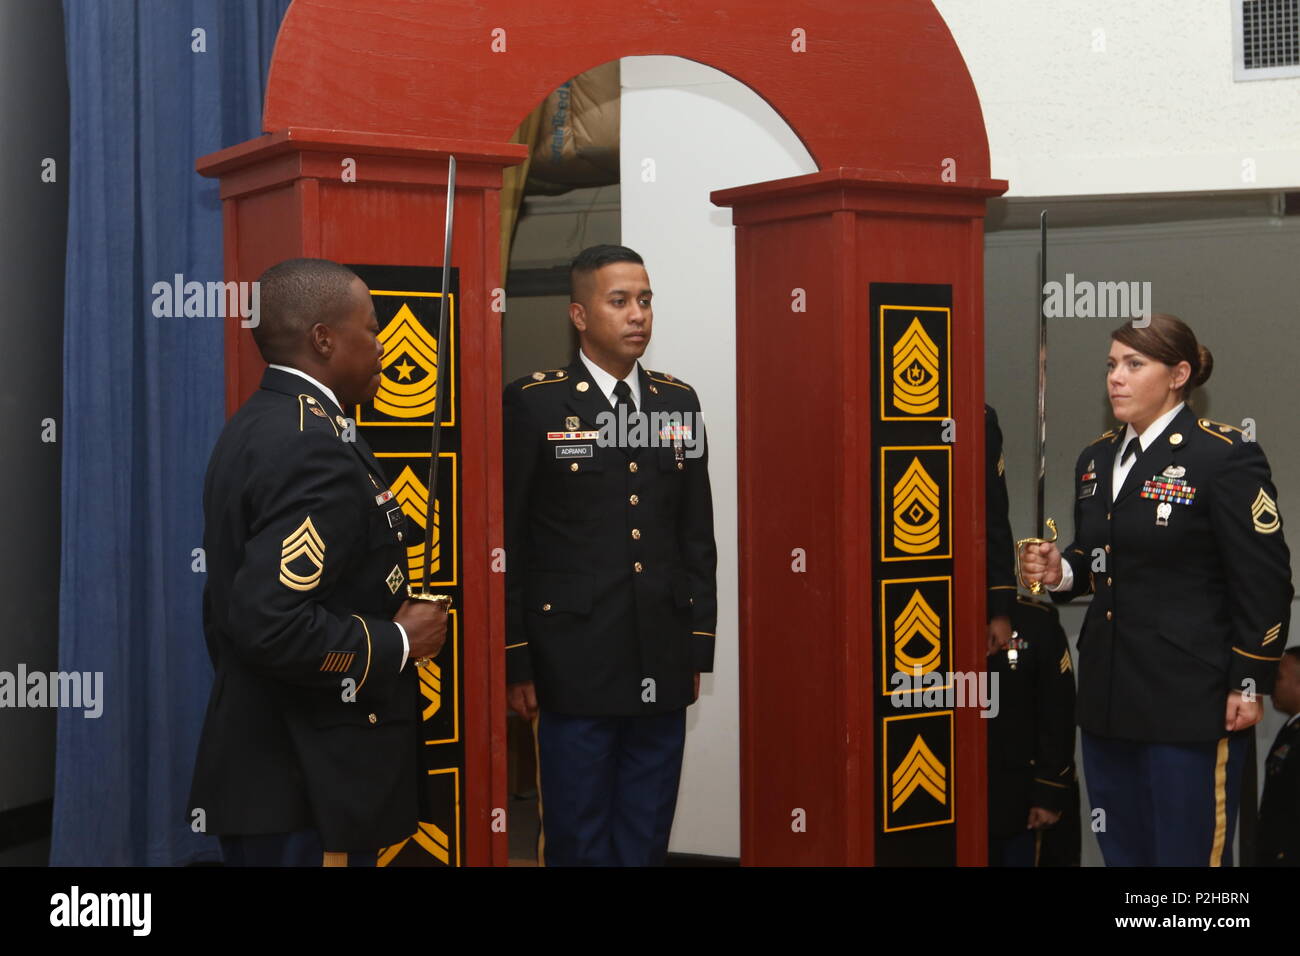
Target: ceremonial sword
1040 435
442 382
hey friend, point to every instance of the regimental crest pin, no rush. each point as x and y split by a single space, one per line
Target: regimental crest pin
1092 465
571 423
1174 471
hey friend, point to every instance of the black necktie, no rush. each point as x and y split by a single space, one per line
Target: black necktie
623 396
1131 449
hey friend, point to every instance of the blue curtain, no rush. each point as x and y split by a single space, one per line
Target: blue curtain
143 404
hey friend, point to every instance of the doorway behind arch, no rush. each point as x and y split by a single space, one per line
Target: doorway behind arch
684 129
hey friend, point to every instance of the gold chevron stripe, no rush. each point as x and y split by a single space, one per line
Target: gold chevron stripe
303 541
919 769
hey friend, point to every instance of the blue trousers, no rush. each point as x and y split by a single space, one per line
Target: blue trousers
301 848
1164 804
608 787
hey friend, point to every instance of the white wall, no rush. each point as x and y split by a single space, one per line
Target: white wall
1153 109
702 131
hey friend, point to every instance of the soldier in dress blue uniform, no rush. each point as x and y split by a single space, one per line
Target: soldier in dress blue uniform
611 598
1278 840
1179 539
1031 736
310 746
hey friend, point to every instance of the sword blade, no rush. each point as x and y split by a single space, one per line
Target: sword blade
442 381
1040 435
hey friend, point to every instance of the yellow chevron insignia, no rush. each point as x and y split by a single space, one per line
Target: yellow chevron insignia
431 688
429 837
919 770
1065 661
916 371
1272 634
412 495
1264 513
916 511
918 620
302 557
408 384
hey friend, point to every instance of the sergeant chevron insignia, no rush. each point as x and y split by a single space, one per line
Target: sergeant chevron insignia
1272 634
303 546
1263 513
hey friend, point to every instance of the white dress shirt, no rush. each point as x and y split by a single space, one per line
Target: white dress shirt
606 382
301 374
1121 470
406 643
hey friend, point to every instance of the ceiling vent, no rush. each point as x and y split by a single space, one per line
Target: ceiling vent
1266 39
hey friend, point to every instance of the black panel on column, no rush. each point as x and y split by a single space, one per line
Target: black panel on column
911 365
396 425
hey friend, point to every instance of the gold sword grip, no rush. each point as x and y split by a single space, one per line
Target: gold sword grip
443 599
1035 587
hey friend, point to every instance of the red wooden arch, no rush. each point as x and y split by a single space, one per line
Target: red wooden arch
882 100
881 86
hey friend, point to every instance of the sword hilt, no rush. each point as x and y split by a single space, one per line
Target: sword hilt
443 599
1035 587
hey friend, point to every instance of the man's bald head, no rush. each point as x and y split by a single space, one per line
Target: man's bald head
294 296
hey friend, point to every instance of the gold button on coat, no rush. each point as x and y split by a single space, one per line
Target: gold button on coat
373 719
637 567
1110 616
546 607
636 534
634 500
573 466
631 466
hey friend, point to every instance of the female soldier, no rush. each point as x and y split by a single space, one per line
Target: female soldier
1178 537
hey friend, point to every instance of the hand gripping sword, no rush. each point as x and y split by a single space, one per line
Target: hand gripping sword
1040 436
442 382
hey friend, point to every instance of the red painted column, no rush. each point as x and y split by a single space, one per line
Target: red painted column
824 263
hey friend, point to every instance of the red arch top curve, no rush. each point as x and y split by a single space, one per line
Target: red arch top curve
881 86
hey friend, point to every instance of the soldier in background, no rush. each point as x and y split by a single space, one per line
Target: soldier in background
1032 783
1278 840
611 593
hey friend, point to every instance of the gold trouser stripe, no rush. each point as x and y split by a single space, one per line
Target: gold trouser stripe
335 859
1220 803
537 761
1038 845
